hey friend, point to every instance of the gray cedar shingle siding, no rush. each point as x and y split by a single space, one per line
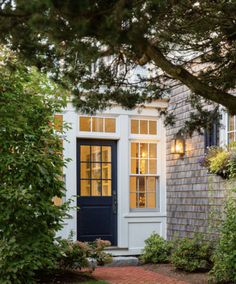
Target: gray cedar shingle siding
191 192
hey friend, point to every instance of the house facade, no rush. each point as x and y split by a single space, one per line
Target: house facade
127 183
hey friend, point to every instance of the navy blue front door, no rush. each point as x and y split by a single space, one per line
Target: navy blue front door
97 190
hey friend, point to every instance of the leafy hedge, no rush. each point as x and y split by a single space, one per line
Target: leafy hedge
224 257
192 254
156 250
31 165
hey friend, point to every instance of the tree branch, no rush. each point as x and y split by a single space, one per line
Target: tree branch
191 81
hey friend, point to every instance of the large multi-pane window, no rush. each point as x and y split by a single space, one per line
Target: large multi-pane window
143 175
231 129
97 124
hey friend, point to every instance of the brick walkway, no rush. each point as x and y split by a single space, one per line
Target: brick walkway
132 275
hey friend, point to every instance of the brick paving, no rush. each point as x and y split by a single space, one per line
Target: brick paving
132 275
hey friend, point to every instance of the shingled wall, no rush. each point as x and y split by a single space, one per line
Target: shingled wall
191 193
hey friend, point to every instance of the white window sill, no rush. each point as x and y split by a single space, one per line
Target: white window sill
144 214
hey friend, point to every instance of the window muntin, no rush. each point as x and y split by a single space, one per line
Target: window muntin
97 124
231 128
95 170
143 126
143 158
143 175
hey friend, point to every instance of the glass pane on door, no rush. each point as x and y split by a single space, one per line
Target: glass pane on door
95 170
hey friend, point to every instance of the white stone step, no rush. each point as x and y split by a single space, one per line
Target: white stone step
124 261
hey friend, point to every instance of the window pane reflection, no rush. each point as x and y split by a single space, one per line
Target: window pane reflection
134 126
106 153
152 127
143 127
85 123
85 153
106 170
96 153
97 124
85 172
96 171
96 187
152 166
85 187
106 187
110 125
134 150
152 150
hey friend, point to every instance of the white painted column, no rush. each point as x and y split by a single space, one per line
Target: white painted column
123 180
70 117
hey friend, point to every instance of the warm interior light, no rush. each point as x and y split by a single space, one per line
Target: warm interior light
178 146
144 154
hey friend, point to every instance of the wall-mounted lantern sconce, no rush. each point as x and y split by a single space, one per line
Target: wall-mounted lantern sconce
178 145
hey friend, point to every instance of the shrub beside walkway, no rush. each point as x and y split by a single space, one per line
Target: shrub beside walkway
132 275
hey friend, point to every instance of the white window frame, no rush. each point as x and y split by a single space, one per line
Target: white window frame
230 131
101 135
156 175
145 136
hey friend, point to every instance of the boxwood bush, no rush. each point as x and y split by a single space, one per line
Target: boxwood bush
192 254
156 250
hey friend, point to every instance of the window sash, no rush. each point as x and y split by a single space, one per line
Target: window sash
143 126
231 128
142 197
97 124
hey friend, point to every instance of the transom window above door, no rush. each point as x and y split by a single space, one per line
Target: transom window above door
95 170
97 124
143 126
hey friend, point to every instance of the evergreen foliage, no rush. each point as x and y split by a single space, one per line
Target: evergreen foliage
169 40
156 250
192 254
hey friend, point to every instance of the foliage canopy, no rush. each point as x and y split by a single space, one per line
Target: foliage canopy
168 40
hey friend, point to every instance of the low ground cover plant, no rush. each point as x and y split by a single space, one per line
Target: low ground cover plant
156 250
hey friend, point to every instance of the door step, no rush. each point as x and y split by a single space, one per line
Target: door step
123 261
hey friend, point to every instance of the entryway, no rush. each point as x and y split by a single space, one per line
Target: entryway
97 190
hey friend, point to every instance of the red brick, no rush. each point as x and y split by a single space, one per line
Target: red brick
132 275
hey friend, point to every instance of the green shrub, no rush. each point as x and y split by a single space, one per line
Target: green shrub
30 174
156 250
224 257
97 252
192 254
72 255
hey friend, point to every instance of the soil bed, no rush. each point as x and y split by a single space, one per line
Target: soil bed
169 270
69 277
